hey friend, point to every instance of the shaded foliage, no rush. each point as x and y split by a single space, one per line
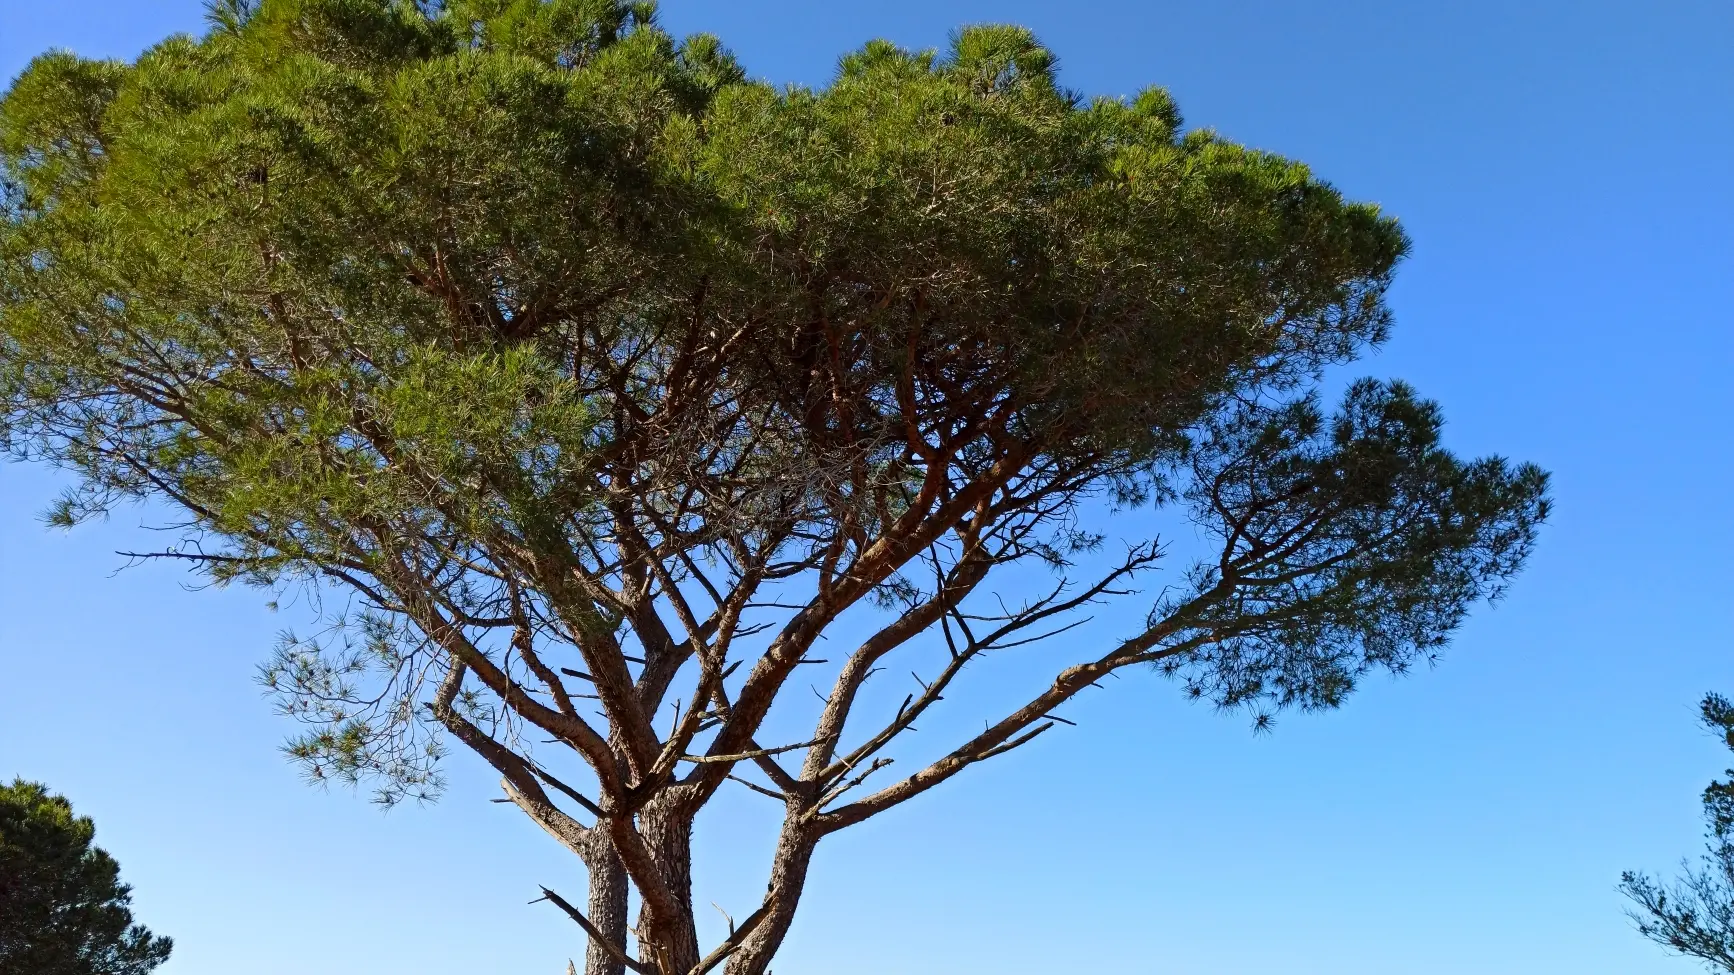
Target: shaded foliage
63 909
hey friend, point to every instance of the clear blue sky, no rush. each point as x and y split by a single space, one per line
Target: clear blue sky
1566 168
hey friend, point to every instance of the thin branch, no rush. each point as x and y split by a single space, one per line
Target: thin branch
571 793
736 936
755 753
617 952
761 790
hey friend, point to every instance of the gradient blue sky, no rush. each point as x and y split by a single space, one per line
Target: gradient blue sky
1567 172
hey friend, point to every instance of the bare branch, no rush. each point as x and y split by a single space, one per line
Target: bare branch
617 952
736 935
772 793
755 753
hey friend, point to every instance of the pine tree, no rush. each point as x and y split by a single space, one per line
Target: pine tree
1695 916
607 383
63 909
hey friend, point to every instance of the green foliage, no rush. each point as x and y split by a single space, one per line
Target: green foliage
63 909
1352 544
343 270
1695 915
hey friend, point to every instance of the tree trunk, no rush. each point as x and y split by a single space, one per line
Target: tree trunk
670 944
667 829
607 903
788 877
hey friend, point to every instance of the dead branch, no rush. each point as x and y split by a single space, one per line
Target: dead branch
617 952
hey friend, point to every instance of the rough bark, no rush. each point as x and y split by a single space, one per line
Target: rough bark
606 905
670 942
788 877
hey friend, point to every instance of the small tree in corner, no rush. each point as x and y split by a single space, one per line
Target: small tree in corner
1695 915
63 909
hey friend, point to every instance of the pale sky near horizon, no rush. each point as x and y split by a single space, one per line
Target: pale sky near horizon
1566 170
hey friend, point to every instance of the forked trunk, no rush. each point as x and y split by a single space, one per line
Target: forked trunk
669 945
